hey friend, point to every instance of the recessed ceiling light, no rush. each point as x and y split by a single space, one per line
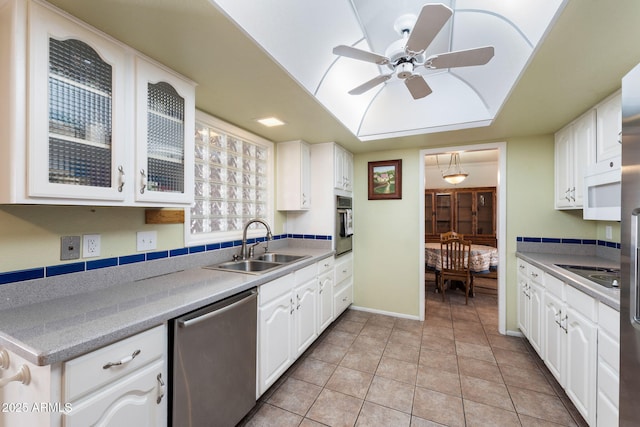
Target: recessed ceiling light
270 121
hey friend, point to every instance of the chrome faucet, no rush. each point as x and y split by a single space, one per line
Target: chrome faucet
246 252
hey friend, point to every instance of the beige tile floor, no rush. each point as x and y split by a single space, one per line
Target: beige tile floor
453 369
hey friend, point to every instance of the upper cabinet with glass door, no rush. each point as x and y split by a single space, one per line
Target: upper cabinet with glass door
102 125
165 114
77 128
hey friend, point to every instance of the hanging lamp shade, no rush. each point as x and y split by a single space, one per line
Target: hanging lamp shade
454 173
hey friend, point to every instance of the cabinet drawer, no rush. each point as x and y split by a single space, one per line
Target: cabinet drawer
536 274
344 270
554 286
609 320
609 351
582 303
305 274
342 299
326 264
272 290
88 372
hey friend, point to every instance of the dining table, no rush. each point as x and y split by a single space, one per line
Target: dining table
483 258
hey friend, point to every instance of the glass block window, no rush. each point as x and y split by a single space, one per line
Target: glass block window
80 98
165 138
232 183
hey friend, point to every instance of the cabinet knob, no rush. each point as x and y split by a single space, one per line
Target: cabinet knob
4 359
23 375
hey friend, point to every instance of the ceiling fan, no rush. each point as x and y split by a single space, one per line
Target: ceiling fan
406 54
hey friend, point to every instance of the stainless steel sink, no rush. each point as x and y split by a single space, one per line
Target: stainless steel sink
280 258
259 265
250 266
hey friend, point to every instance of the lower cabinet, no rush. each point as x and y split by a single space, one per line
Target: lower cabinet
292 311
121 384
530 303
608 366
343 288
579 340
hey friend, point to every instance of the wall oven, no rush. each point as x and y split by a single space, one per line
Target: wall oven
344 225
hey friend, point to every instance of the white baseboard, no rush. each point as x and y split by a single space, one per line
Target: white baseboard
386 313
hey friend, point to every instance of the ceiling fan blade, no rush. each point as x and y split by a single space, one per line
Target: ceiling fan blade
417 86
429 23
362 55
461 58
370 84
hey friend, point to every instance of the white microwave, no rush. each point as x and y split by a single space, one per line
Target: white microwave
602 191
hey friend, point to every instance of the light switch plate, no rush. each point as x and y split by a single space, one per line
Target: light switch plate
69 247
146 240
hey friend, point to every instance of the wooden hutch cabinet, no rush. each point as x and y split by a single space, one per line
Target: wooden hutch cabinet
468 211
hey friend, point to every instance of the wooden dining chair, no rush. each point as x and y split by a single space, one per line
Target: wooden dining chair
450 235
455 256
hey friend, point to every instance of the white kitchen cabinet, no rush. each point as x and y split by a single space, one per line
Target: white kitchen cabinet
325 293
574 148
608 366
130 392
555 342
342 169
76 135
293 176
287 322
306 307
343 284
530 303
609 130
275 330
165 120
582 348
123 383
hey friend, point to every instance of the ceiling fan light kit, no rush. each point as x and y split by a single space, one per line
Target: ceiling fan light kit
403 56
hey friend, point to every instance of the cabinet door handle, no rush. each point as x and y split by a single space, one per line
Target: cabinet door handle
143 181
122 178
23 375
122 361
4 359
161 389
291 305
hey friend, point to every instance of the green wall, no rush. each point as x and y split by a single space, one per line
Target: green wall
387 238
30 234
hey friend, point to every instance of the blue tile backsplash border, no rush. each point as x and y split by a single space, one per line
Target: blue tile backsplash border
572 241
76 267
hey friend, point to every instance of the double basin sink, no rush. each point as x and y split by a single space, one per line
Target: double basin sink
259 265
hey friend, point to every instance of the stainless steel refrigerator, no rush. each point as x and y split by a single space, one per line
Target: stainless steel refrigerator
629 256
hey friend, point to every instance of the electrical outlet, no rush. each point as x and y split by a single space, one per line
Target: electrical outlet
90 245
146 240
69 247
608 230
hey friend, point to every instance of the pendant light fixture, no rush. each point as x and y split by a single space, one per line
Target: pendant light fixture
454 173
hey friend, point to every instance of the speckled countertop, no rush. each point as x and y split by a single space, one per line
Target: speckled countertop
547 262
59 329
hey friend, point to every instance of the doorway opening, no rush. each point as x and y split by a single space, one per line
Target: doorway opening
474 207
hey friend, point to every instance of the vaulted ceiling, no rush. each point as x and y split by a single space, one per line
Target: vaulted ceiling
581 60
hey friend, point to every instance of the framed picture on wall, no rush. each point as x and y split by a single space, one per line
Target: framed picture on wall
385 180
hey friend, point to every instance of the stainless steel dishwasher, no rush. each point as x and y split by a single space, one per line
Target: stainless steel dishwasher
214 363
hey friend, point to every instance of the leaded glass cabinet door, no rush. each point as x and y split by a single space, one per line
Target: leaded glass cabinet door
165 135
76 112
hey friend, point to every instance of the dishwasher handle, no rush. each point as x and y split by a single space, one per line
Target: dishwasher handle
239 300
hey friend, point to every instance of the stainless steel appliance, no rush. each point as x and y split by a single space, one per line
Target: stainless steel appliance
214 363
630 216
344 225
